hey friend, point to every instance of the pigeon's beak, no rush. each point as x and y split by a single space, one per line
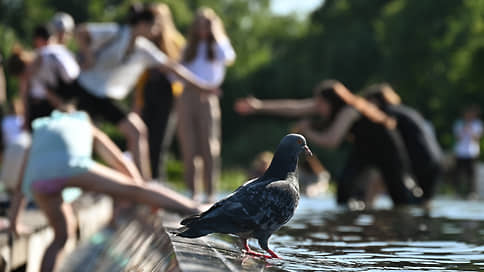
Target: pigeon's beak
307 151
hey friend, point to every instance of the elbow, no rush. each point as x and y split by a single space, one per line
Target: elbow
230 60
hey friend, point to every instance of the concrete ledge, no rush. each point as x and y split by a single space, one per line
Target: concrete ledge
137 243
141 241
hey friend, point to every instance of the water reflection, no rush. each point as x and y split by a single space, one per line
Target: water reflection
322 237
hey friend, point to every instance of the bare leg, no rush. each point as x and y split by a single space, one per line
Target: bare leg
105 180
253 253
51 205
71 226
136 133
249 250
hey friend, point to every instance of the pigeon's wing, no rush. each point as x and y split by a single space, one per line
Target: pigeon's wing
233 214
281 200
262 206
220 203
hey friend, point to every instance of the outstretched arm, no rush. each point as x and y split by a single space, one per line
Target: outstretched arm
189 78
334 135
113 156
281 107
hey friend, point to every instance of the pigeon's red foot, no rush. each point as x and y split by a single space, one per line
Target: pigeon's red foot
273 254
253 253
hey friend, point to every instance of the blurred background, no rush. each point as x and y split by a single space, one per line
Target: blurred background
431 52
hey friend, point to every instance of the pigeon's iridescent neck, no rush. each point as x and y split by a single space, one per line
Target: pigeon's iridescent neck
282 166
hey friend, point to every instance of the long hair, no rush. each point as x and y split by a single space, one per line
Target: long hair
216 29
382 93
170 41
336 94
140 13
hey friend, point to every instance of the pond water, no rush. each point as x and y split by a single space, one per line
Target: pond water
322 237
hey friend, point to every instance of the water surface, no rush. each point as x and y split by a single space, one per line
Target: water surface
322 237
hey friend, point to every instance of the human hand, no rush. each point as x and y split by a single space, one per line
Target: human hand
248 105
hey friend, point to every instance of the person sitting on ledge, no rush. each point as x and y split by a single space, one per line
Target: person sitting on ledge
60 156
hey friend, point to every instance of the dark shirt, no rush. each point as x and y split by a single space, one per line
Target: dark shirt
420 141
377 143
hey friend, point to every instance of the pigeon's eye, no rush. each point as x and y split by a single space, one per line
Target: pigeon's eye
299 141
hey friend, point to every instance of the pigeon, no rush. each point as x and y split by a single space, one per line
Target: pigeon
260 206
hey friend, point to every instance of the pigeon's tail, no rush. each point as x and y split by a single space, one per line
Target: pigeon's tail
191 232
190 220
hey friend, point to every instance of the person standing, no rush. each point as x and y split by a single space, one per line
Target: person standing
45 75
207 54
113 58
62 26
468 132
156 91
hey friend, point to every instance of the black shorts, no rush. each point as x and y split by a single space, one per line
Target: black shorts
98 107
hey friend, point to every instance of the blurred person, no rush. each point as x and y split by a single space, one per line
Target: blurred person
425 153
157 90
62 26
375 141
3 94
113 56
16 141
467 132
13 122
20 65
41 36
45 75
207 54
60 156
